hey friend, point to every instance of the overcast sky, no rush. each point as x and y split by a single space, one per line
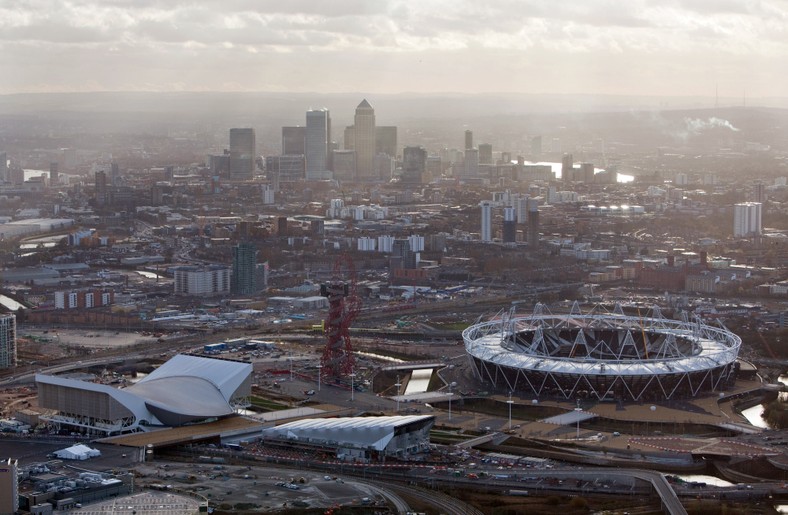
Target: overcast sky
631 47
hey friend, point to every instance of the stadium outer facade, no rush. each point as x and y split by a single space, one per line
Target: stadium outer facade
607 356
186 389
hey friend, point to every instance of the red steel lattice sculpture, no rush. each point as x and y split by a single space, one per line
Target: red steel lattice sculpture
343 306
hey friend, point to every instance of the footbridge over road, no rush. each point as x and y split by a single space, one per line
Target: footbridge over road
414 365
496 438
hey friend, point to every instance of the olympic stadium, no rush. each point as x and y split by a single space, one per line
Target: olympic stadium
602 355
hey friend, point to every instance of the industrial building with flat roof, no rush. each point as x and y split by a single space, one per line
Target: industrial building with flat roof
186 389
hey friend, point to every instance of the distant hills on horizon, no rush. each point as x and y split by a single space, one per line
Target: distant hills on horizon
397 106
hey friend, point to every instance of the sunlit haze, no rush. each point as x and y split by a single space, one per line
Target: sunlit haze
734 49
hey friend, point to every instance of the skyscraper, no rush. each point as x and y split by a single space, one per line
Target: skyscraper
53 173
468 139
386 140
293 141
7 341
486 225
759 192
509 225
414 164
471 163
316 146
485 154
567 168
243 149
344 162
533 223
587 172
747 219
536 148
364 143
3 166
102 193
243 280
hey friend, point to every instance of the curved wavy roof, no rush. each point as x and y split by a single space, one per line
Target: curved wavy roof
176 400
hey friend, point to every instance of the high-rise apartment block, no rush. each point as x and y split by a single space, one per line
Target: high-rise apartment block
747 219
243 150
9 487
208 280
486 220
7 341
317 143
3 166
244 274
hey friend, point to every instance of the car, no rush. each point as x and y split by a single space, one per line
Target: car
616 433
310 392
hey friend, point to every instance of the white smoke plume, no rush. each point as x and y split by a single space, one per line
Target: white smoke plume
696 125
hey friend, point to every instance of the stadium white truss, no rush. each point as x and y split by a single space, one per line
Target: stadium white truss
603 355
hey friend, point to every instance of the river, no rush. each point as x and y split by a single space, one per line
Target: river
754 415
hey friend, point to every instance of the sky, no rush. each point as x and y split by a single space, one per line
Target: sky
609 47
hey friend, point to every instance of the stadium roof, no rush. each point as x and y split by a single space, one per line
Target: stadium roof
374 432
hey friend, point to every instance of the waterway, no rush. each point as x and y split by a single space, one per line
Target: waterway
556 168
29 174
709 480
754 415
149 275
419 381
379 357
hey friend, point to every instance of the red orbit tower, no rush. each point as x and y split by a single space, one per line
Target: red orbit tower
343 306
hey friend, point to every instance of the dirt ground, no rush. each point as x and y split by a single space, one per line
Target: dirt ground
88 338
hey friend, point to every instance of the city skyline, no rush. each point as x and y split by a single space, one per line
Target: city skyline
734 49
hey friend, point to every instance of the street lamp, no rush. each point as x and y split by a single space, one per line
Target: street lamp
397 384
510 402
451 385
352 389
319 374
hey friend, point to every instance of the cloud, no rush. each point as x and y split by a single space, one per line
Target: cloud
645 46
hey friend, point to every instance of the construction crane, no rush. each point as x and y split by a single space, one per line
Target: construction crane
343 306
